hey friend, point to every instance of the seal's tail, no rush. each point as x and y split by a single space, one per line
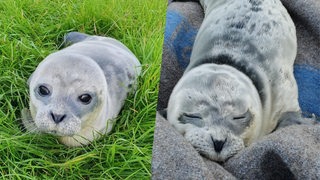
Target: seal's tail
72 38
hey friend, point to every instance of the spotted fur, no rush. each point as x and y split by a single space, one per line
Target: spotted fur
239 80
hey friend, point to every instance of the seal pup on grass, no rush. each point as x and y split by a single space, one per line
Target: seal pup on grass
76 93
239 84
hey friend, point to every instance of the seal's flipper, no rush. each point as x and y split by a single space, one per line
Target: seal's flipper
293 118
72 38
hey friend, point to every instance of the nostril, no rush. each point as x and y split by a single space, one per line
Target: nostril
57 118
218 145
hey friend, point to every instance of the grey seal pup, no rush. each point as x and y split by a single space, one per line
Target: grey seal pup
239 84
76 93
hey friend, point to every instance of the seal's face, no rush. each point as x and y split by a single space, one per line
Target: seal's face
214 110
66 94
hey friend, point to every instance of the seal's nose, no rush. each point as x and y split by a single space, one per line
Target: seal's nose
57 118
218 145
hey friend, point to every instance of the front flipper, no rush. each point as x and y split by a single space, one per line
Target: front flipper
294 118
72 38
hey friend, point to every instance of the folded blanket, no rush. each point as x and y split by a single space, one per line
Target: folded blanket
291 152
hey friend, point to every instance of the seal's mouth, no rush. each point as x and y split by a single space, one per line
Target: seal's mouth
59 134
52 132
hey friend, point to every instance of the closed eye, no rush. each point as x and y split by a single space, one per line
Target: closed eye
246 115
194 119
240 117
195 116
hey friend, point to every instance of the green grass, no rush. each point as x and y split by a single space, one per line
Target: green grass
32 29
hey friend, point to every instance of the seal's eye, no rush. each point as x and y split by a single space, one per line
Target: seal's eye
85 98
193 116
246 115
239 117
43 91
194 119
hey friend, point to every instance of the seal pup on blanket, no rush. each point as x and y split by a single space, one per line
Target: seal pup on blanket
76 93
239 84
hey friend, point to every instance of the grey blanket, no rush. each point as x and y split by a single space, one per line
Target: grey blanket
289 153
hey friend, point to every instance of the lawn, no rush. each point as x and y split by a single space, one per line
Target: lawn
32 29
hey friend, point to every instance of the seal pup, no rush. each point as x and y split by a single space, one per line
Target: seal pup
239 83
77 92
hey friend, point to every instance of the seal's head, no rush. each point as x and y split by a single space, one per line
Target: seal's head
67 94
217 109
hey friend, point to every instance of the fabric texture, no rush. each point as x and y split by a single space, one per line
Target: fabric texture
292 152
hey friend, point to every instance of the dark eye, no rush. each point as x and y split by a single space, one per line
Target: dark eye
85 98
43 91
